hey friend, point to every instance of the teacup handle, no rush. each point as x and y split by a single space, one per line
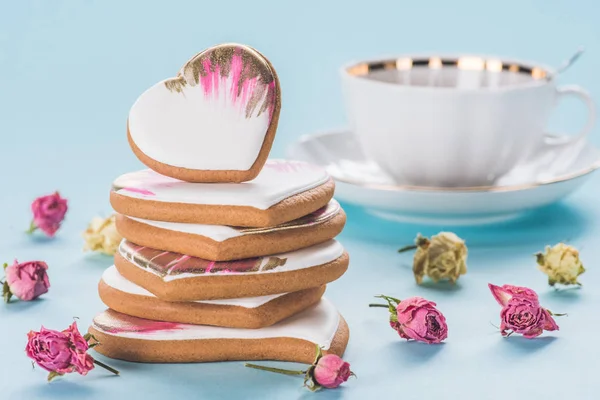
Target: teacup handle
583 95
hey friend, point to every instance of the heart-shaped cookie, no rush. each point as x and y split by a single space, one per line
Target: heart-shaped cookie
214 122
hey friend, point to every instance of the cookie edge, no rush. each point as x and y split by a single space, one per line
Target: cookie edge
286 210
235 248
220 176
232 286
212 350
230 316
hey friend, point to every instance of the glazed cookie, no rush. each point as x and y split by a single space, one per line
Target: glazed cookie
176 277
223 243
293 339
214 122
282 192
250 312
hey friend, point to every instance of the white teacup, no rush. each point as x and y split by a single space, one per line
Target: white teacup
453 121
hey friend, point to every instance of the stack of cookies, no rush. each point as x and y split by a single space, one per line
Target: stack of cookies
225 254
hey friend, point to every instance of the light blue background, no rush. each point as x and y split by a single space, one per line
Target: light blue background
69 71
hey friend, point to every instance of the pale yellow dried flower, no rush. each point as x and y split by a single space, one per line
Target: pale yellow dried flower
102 236
443 257
561 263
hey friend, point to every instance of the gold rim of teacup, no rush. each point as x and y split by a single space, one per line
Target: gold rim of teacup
458 189
539 73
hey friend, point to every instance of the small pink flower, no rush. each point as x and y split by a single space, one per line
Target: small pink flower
420 320
61 352
331 371
27 280
48 213
327 371
523 316
416 318
521 312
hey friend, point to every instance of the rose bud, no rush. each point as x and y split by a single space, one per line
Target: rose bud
561 263
27 280
443 257
521 312
416 318
327 371
48 213
62 352
331 371
102 236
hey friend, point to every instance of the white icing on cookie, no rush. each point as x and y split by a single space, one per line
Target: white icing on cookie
317 324
220 233
214 119
278 180
308 257
116 281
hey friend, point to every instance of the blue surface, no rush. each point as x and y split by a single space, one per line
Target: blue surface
69 72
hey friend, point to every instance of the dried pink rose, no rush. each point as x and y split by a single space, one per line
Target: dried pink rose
327 371
331 371
523 316
521 312
27 280
416 318
62 352
48 213
506 292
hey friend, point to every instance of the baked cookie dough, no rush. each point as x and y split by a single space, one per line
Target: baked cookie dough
250 312
214 122
222 243
283 191
294 339
177 277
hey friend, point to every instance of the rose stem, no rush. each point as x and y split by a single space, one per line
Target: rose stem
379 305
277 370
111 369
32 228
407 248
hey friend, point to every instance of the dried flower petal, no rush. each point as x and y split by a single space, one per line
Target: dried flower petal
443 257
327 371
561 263
27 280
62 352
48 213
521 312
102 236
416 318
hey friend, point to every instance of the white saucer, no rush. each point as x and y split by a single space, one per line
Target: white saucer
555 173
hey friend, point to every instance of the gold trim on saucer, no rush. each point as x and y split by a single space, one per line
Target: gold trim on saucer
470 189
466 63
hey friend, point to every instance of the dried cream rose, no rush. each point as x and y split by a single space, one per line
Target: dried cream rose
102 236
443 257
561 263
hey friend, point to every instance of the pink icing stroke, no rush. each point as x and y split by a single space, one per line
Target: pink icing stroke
168 263
213 82
139 191
210 82
114 322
